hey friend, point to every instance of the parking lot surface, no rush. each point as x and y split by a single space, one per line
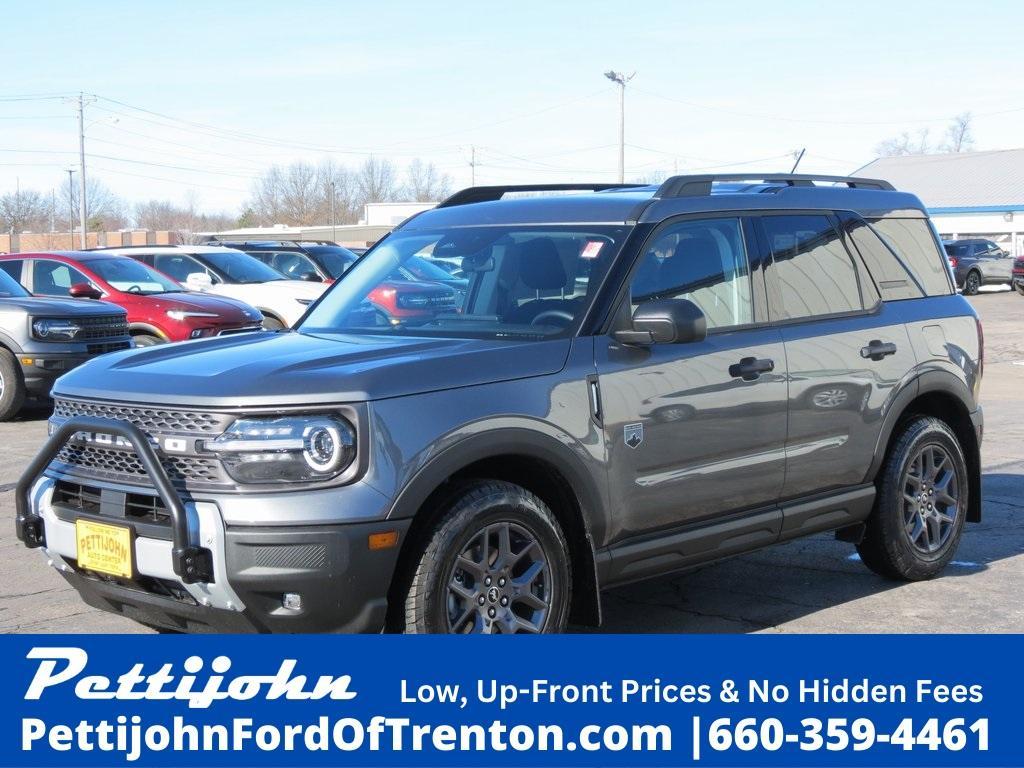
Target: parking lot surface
810 585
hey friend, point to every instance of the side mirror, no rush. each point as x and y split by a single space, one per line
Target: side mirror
84 291
665 321
198 281
310 277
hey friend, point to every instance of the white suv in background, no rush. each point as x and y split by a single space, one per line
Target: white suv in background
233 273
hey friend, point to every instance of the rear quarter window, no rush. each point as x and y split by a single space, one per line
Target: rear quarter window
912 240
891 278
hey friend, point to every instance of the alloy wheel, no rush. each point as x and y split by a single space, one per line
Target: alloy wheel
500 583
931 498
973 284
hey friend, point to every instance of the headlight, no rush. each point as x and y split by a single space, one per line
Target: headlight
55 329
288 449
181 314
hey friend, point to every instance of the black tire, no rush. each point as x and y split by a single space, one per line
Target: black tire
889 547
972 283
473 521
146 340
12 386
1020 288
271 323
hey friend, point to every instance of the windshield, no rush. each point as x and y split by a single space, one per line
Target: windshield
240 267
132 276
524 281
421 269
335 261
11 288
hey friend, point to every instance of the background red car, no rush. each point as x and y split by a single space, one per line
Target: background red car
159 309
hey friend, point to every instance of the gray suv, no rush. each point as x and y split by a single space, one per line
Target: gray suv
641 379
42 338
976 263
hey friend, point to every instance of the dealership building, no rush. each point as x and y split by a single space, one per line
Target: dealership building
968 194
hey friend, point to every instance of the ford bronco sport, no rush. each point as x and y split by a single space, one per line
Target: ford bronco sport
641 379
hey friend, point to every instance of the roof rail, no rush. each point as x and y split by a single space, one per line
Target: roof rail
487 194
126 247
698 186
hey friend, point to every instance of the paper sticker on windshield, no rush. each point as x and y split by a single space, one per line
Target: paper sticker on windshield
591 249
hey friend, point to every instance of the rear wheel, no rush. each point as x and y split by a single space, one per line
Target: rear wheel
496 563
1020 288
919 514
972 283
12 386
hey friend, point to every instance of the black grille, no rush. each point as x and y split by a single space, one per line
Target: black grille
108 346
304 556
131 507
147 419
102 327
118 464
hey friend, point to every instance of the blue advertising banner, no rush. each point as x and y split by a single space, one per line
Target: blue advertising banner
565 700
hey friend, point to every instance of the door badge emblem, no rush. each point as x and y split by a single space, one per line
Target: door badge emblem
633 434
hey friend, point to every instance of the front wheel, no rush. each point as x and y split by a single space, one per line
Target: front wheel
271 323
496 563
146 340
919 514
1020 288
12 386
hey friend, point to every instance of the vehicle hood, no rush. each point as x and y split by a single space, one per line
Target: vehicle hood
288 368
226 308
47 307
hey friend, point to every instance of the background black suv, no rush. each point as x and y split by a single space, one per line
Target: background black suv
978 262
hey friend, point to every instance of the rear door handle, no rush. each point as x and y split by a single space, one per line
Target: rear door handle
750 368
876 350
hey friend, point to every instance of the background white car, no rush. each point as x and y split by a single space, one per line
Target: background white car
229 272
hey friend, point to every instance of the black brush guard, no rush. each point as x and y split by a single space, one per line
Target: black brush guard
192 564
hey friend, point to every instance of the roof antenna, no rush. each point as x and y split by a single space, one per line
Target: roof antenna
799 157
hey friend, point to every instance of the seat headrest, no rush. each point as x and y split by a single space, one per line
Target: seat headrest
540 266
693 261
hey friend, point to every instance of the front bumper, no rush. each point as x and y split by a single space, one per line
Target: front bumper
41 370
241 573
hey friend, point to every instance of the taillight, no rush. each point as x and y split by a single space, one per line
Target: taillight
952 262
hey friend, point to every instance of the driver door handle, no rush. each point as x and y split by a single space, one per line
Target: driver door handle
751 368
876 350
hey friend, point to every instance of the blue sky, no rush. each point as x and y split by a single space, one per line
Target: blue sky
717 84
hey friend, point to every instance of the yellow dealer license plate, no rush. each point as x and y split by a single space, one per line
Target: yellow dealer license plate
104 548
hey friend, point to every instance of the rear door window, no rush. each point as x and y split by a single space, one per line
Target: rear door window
812 273
12 268
912 240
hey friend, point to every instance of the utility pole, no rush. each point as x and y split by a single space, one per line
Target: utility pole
81 175
53 210
472 166
71 209
620 79
334 228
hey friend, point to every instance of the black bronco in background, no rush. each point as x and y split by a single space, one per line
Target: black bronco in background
640 379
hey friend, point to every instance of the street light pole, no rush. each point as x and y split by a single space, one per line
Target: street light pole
620 79
81 176
71 208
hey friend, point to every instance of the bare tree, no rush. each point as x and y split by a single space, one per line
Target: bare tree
300 195
958 135
187 221
376 181
425 184
904 144
25 210
106 210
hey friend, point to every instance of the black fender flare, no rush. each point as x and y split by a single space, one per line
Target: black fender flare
933 380
10 344
504 441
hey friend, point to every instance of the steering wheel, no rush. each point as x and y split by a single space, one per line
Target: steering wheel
560 314
134 289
